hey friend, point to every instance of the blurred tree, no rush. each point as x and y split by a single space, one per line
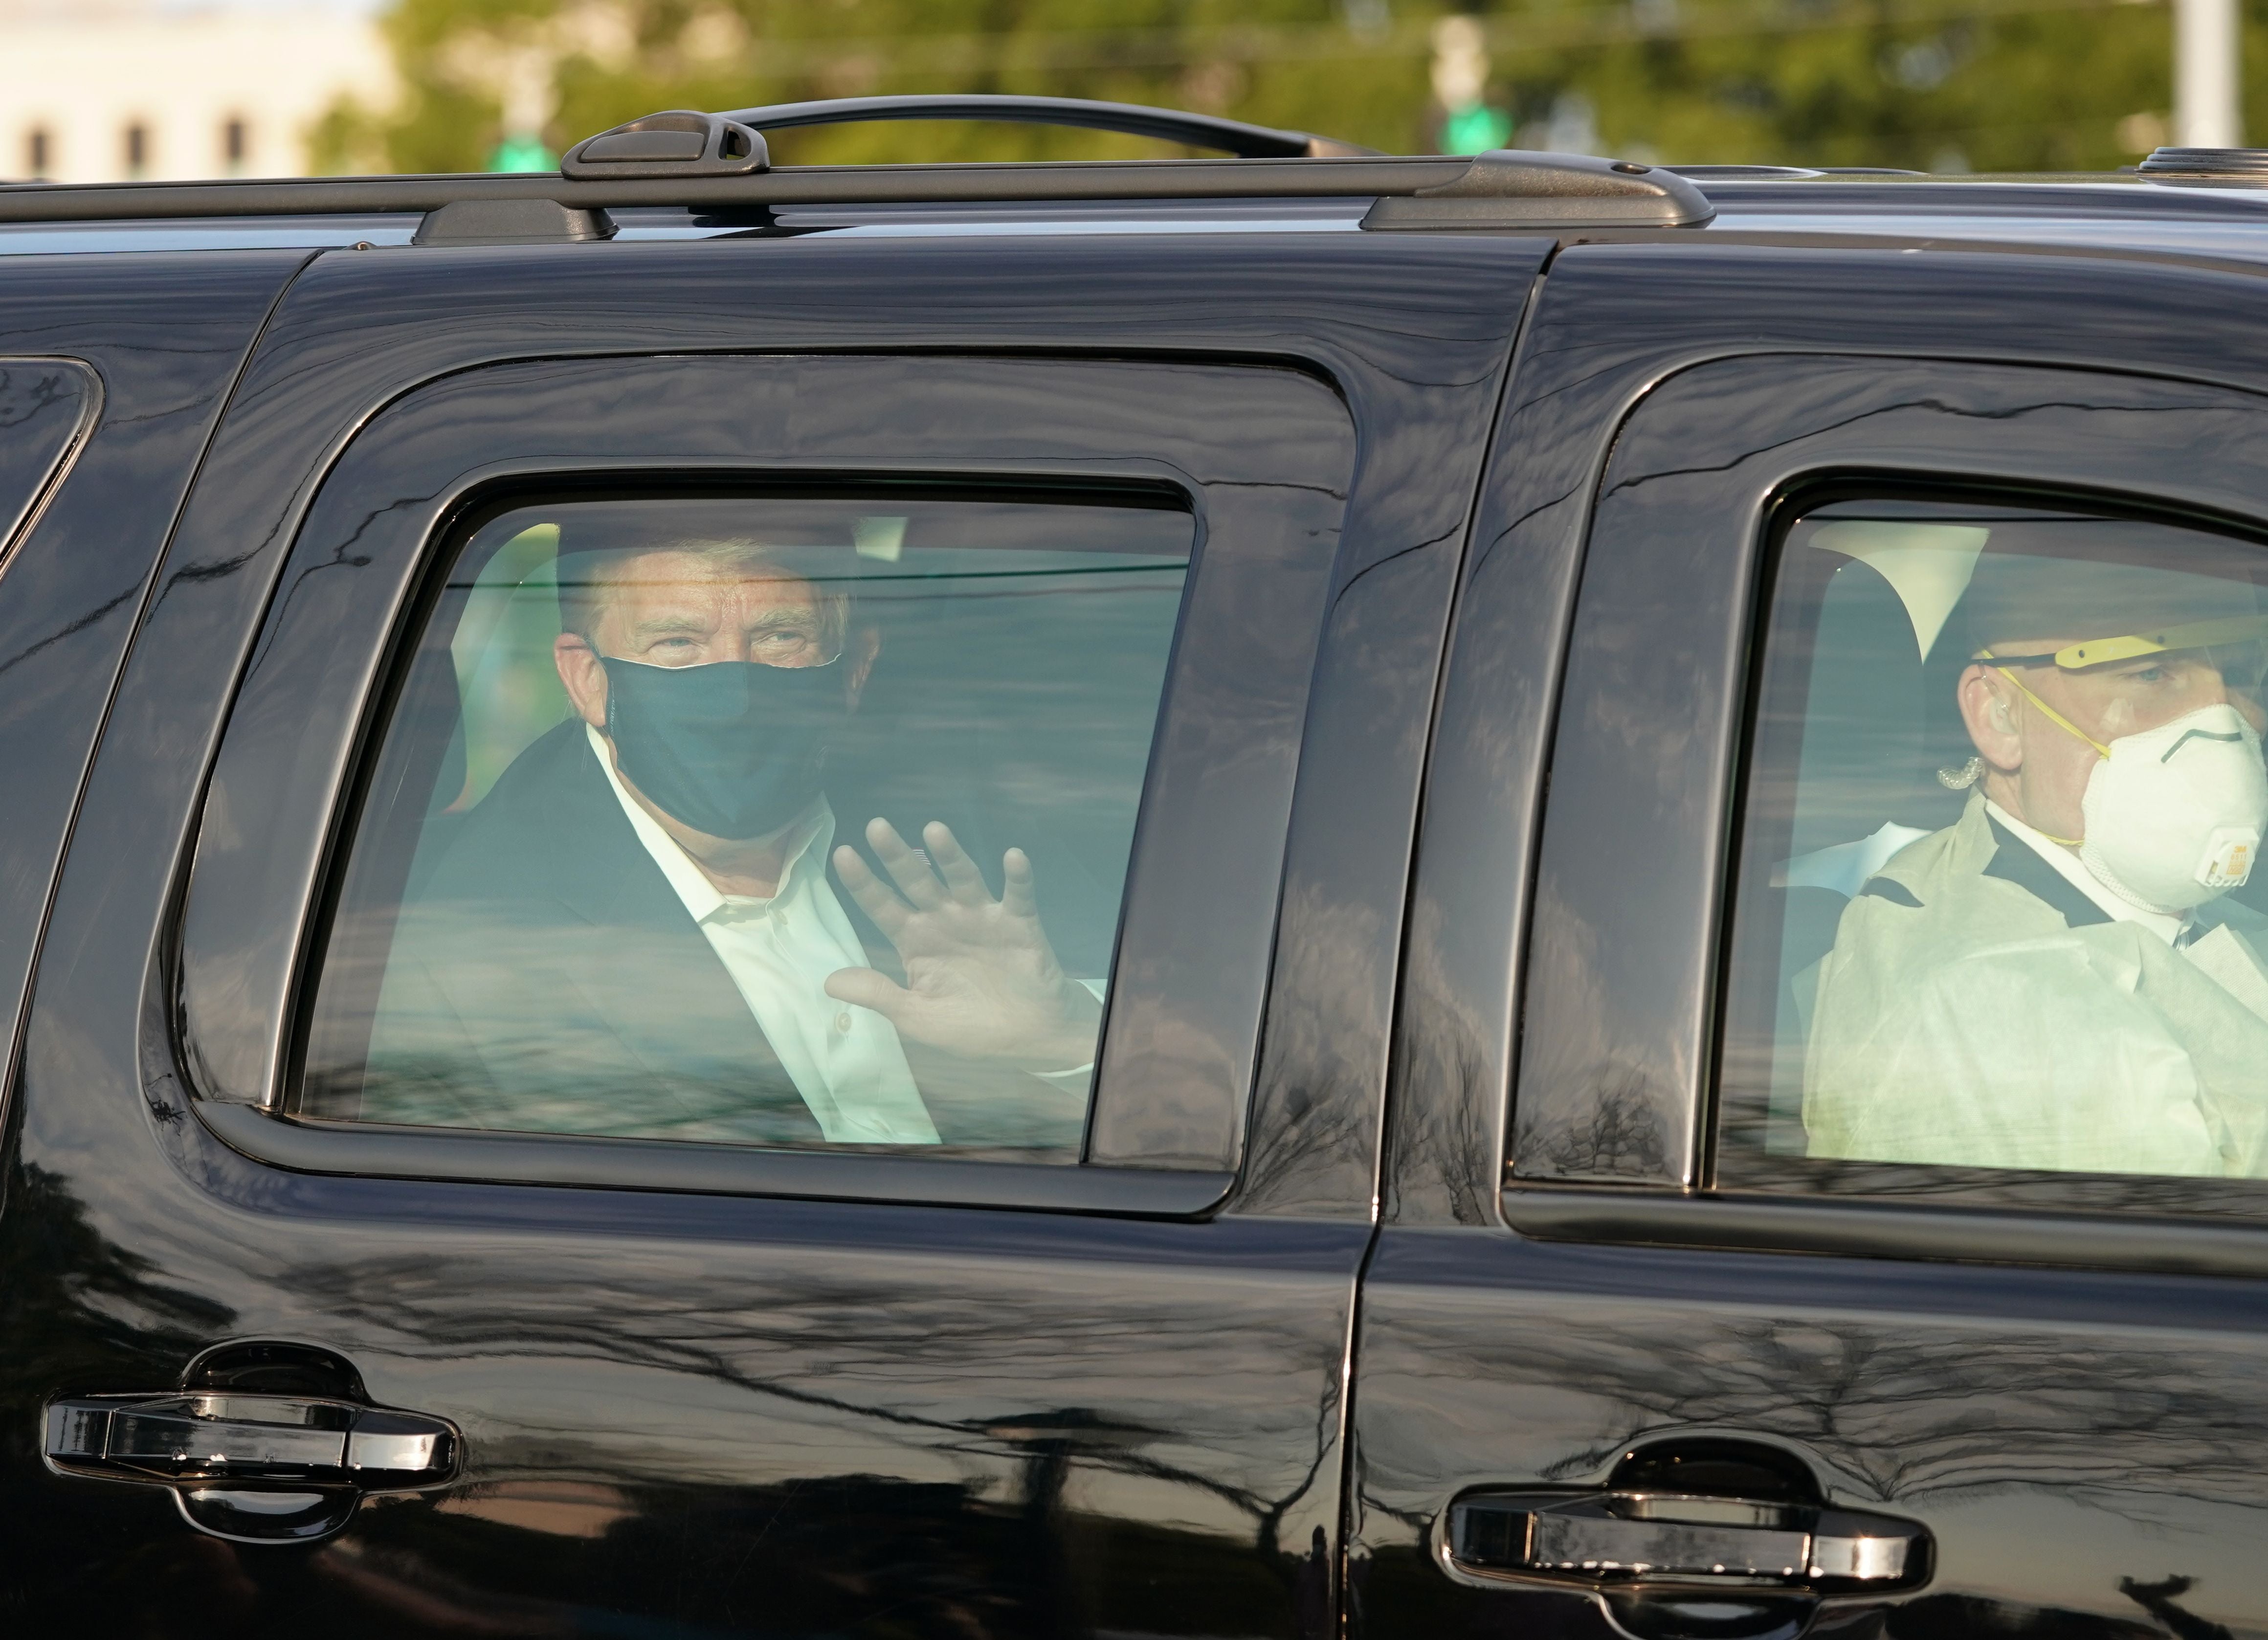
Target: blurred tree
1987 85
1308 63
1945 85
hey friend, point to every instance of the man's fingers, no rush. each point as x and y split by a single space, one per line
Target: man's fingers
952 862
1016 895
873 894
909 870
863 988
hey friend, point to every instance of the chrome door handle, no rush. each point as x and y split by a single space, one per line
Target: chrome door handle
1630 1537
257 1467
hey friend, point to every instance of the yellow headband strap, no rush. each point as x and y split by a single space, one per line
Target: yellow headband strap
2053 716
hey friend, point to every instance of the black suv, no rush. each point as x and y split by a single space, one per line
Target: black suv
1296 894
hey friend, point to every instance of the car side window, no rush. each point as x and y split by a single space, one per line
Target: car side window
1998 919
784 821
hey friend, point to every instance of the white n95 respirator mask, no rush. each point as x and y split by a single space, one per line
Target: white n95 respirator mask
2175 814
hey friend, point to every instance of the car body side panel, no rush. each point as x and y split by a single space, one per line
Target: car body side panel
2079 1445
2084 1445
713 1414
165 342
1612 321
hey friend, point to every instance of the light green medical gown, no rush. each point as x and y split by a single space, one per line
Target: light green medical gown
1979 1014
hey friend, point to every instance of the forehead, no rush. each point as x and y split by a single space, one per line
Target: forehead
651 579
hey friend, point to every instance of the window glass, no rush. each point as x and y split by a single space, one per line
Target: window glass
1998 918
781 822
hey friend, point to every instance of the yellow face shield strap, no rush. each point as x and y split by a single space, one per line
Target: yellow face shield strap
2052 715
2236 629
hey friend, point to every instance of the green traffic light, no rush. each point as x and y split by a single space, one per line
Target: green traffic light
523 153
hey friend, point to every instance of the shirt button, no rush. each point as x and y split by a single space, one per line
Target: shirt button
842 1021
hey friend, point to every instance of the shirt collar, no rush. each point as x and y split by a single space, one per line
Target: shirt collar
807 852
2068 866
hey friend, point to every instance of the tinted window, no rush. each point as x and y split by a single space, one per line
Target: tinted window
1999 914
784 822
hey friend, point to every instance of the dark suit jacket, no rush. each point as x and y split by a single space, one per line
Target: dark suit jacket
545 977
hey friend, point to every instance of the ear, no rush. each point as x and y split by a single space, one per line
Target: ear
582 677
1988 712
866 644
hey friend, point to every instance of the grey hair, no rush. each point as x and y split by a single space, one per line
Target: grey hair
587 580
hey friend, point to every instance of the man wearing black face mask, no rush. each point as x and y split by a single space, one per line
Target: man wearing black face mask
637 932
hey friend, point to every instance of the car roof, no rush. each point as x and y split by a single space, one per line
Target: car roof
2203 218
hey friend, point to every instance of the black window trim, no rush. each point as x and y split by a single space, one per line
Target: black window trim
254 1127
1694 1212
369 1150
1860 1227
268 1131
1767 1177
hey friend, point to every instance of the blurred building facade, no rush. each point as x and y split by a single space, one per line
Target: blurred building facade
106 90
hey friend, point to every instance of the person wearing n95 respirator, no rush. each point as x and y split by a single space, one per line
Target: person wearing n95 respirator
2059 980
2171 816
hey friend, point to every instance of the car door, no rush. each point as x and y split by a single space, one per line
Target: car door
104 413
1644 1348
1036 1374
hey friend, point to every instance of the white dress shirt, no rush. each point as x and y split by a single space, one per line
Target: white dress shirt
2068 865
846 1061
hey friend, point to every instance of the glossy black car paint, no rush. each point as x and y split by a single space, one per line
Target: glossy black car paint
711 1414
2084 1444
47 407
2088 1440
164 342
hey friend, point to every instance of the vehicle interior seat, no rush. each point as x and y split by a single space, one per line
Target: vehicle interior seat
1874 733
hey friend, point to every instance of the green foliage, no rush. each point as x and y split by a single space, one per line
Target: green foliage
2044 91
1985 84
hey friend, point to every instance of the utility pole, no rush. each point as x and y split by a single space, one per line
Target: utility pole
2208 47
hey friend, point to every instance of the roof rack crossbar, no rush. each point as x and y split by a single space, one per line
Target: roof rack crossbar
1172 125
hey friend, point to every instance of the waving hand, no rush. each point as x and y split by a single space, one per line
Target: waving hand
982 981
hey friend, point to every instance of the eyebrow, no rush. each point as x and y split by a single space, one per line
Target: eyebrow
665 623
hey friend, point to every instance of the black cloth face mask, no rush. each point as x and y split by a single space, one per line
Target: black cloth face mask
732 748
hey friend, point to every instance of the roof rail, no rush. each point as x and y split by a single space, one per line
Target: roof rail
786 185
1172 125
1745 173
718 163
2205 162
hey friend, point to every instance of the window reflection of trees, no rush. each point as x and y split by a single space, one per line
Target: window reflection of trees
1621 1136
841 1393
882 1379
